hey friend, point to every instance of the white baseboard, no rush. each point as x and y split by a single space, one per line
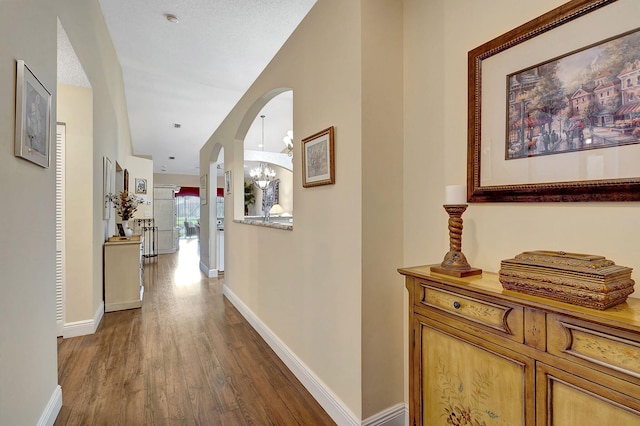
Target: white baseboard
336 409
397 415
82 328
211 273
113 307
52 409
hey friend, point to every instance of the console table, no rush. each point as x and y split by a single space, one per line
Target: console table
123 287
483 355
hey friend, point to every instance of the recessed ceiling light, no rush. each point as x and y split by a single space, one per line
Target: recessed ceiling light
260 145
177 125
172 18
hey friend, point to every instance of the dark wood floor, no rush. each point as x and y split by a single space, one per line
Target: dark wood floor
187 357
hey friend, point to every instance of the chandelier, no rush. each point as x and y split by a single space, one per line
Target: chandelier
263 174
262 177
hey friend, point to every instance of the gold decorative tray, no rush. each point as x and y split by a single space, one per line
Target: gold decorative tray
580 279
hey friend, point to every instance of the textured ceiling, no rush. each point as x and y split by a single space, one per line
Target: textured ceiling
70 71
194 72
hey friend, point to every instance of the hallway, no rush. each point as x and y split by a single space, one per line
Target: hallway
186 357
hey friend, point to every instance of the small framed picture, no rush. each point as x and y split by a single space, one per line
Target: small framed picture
227 182
120 229
141 186
203 189
33 117
318 159
107 187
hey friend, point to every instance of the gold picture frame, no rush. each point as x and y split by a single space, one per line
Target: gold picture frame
318 159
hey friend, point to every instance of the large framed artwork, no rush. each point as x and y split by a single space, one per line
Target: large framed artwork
318 159
33 117
554 107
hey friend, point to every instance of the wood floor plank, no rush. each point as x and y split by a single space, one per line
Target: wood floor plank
187 357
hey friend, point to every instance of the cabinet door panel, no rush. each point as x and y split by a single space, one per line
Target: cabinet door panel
464 383
564 399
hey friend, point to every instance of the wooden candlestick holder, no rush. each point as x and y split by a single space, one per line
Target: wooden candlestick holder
455 263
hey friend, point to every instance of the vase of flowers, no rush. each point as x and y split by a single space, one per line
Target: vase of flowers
126 205
127 231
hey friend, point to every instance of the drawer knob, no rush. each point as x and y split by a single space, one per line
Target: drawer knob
456 305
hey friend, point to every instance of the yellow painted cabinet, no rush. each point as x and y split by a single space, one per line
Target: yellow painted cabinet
467 382
568 399
480 355
122 275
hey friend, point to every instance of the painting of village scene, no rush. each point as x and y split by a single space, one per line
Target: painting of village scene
586 100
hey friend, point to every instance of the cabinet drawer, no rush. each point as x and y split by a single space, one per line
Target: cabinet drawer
594 345
501 317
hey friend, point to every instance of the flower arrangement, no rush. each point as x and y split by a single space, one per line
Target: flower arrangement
125 204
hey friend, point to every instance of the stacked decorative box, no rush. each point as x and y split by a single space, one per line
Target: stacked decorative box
579 279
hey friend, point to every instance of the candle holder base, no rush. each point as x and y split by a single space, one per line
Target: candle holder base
459 272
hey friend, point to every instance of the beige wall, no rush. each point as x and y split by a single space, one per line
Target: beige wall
87 31
28 375
75 109
319 287
436 54
84 24
404 66
27 294
141 168
382 213
307 286
173 179
310 286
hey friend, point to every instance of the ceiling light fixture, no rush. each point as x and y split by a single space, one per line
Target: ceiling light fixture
262 177
172 18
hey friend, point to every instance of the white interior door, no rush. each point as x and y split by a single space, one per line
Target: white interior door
164 214
60 252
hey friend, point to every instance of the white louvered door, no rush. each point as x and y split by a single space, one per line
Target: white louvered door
60 200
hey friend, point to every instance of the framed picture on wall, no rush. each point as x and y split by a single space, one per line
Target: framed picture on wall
271 195
203 188
33 117
318 159
141 186
227 182
106 186
554 108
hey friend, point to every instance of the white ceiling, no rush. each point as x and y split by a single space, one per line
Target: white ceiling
195 71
